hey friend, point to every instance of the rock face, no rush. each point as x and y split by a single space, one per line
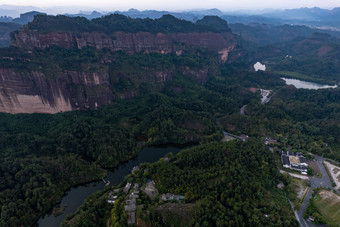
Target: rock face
146 42
29 91
32 92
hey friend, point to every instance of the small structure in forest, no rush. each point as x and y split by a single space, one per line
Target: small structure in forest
170 197
150 189
294 161
127 187
111 198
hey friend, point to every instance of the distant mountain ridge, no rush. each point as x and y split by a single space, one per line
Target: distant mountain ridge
315 17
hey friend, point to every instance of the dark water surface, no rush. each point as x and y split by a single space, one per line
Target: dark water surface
76 196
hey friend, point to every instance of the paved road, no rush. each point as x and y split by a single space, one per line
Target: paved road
243 108
314 183
234 136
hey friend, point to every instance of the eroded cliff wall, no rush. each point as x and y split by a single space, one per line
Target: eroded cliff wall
32 92
131 43
24 88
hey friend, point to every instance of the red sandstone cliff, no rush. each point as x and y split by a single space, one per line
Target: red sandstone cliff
27 91
33 92
222 43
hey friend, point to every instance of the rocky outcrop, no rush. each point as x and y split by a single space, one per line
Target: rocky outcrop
24 90
146 42
32 92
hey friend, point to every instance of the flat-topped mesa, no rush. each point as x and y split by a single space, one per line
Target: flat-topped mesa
119 33
31 84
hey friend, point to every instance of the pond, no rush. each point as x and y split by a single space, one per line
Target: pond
76 196
306 85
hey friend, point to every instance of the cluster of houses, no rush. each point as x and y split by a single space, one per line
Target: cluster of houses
130 203
294 161
132 192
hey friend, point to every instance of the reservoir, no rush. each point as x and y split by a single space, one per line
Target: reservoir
306 85
76 196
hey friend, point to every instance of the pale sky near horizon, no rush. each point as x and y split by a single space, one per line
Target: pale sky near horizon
224 5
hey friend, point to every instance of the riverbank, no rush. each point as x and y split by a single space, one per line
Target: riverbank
76 196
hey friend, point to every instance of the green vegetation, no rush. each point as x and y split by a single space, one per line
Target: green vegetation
310 171
31 185
5 30
234 183
178 111
116 22
315 59
224 184
93 212
324 207
295 189
306 120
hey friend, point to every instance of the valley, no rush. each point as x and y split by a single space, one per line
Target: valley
85 100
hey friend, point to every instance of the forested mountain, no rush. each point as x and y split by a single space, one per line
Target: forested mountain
314 58
225 184
115 84
94 62
5 30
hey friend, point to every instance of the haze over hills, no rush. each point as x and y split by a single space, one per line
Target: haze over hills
81 94
315 17
242 22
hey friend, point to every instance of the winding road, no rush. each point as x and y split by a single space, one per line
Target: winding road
243 109
315 182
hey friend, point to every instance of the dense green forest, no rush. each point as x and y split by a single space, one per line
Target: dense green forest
315 58
224 184
5 30
116 22
41 155
307 120
230 184
178 111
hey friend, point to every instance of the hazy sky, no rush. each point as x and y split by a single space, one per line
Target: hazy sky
225 5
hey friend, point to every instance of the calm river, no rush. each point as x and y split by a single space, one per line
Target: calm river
76 196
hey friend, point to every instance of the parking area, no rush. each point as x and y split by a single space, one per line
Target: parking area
314 165
335 172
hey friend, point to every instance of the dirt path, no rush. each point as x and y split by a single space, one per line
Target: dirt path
296 175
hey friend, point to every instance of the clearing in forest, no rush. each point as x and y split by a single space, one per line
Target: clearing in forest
328 204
